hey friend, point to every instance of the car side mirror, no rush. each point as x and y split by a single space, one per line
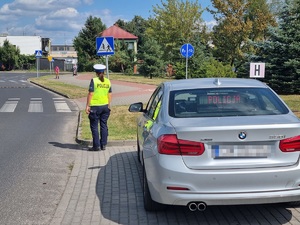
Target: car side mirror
136 107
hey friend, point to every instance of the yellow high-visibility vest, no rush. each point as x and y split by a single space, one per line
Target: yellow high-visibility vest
101 90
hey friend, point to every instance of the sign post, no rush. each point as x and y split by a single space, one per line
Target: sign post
105 47
50 59
38 55
187 50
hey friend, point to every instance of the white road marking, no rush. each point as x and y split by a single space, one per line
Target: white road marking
9 106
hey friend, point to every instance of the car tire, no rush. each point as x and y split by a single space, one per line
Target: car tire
149 204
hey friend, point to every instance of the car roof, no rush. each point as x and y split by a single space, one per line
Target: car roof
213 83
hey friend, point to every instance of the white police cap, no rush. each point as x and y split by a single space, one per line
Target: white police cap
99 67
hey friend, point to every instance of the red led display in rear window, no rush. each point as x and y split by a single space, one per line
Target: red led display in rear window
223 99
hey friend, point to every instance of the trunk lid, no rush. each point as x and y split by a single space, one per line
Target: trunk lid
238 142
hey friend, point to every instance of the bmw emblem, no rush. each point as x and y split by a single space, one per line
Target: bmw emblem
242 135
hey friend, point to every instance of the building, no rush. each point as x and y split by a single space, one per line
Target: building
27 44
66 53
119 34
63 55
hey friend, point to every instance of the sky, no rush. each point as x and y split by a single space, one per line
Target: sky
62 20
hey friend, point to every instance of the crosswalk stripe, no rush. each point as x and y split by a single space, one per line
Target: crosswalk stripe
9 106
35 105
61 106
13 81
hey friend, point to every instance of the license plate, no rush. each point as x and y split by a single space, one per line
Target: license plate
241 151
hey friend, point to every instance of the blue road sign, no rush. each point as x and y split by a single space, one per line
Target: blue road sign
187 50
38 53
105 46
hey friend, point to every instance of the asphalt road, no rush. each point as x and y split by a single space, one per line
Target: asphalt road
37 150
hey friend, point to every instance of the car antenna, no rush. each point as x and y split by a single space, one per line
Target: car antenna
217 82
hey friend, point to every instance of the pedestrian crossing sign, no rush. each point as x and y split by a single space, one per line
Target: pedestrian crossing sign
38 53
105 46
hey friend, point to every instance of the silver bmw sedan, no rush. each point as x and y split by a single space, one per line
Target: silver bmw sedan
217 141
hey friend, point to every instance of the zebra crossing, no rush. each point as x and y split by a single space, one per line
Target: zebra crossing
35 105
13 81
9 83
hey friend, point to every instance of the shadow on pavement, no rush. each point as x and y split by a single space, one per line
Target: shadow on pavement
66 145
119 189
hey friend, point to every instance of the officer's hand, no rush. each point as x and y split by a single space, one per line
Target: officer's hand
87 110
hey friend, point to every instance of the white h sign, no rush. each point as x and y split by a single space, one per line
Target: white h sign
257 70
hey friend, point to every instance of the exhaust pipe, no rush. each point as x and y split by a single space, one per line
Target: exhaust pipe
193 206
201 206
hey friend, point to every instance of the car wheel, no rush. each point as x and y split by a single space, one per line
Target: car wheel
149 204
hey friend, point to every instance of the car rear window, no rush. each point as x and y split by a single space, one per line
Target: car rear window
220 102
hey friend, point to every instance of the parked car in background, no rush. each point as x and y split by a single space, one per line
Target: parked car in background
223 141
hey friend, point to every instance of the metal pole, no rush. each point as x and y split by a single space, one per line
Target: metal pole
186 62
107 67
37 66
186 68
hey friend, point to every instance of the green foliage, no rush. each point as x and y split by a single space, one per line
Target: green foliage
151 55
281 52
202 64
174 23
239 22
137 26
9 56
213 68
26 62
210 67
121 60
85 44
180 70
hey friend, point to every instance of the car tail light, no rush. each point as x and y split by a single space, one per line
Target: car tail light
175 188
170 145
290 144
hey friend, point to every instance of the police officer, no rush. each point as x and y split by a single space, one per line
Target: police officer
98 107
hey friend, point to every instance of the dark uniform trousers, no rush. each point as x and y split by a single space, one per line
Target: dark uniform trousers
99 114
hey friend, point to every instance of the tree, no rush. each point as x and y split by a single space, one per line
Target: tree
9 56
85 43
195 63
121 59
151 55
261 16
281 52
239 21
173 24
136 26
276 6
202 63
